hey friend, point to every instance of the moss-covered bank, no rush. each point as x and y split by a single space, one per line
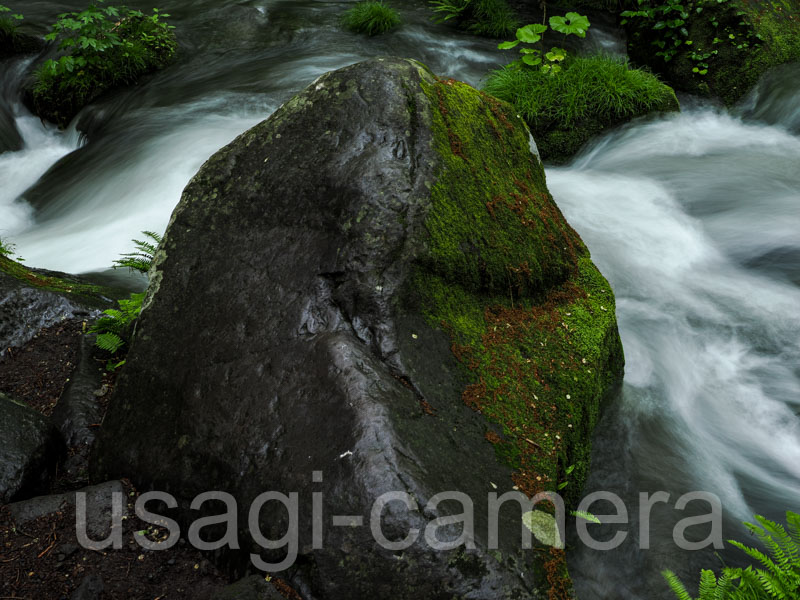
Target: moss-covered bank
82 291
530 317
734 41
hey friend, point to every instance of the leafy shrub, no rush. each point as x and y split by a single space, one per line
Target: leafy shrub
589 95
490 18
105 47
371 18
780 577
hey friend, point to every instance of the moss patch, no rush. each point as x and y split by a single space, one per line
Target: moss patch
61 283
765 34
589 96
530 317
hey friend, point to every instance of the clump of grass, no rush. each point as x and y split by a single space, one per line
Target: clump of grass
371 18
590 94
490 18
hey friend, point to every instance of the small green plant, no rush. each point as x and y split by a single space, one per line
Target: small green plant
104 46
8 21
371 18
9 250
779 578
570 24
490 18
114 328
666 24
6 248
142 258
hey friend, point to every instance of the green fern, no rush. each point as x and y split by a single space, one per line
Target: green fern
114 326
110 342
778 580
142 258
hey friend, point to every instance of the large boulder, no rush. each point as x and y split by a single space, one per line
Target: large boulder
29 449
374 284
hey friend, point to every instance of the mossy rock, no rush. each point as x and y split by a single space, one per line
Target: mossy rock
412 313
765 34
32 299
531 319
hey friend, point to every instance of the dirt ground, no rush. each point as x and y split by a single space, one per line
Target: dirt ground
43 560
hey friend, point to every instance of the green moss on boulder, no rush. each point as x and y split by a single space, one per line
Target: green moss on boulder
530 317
82 291
740 40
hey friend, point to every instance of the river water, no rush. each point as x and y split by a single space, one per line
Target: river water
693 218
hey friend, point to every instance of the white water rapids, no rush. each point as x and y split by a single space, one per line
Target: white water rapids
694 219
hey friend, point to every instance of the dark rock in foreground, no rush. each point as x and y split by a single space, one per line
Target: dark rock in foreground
373 284
29 449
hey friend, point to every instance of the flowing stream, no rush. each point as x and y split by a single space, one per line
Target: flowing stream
693 218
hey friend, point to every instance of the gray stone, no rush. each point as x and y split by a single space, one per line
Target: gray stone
91 588
249 588
98 509
29 449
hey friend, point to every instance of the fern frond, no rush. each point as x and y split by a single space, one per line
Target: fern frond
676 585
141 259
110 342
708 585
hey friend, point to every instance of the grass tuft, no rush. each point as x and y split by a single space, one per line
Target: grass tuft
590 94
371 18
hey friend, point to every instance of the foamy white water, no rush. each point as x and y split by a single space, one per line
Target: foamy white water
680 214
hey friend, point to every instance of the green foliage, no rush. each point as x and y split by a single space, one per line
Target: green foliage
104 46
142 258
665 23
586 516
371 18
591 93
570 24
778 579
490 18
